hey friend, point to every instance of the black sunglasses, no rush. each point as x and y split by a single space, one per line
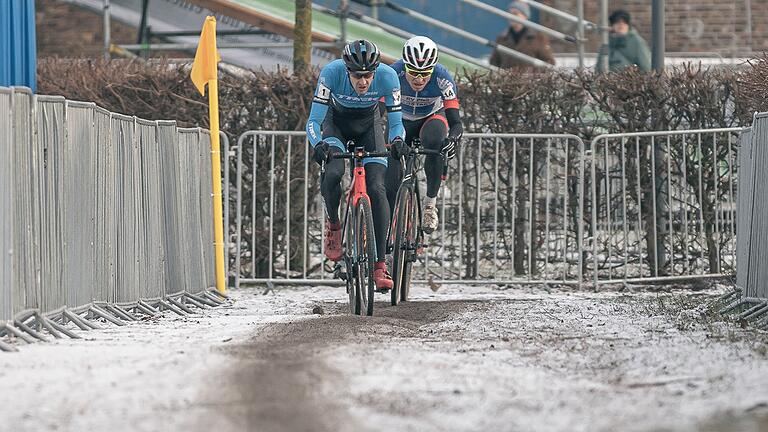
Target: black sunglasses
359 75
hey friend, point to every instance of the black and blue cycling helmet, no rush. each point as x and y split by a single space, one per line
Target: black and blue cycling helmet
361 56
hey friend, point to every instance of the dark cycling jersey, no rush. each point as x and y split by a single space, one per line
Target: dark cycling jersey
334 89
439 92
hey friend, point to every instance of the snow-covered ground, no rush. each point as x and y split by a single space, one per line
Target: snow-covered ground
461 358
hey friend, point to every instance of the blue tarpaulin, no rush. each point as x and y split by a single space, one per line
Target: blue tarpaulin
18 50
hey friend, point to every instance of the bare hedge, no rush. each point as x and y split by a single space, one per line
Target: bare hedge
579 103
540 102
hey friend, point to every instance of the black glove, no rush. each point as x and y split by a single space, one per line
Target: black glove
322 151
399 148
451 147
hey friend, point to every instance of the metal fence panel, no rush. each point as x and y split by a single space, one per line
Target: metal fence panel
150 214
662 205
226 193
79 203
127 189
47 177
26 260
205 210
105 236
191 203
511 212
753 206
759 240
745 203
172 210
6 206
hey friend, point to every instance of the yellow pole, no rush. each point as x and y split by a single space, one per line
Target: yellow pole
205 71
218 219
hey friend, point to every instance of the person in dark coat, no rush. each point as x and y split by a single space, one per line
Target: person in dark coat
626 47
522 39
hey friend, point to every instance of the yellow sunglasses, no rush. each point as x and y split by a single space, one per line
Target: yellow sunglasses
419 74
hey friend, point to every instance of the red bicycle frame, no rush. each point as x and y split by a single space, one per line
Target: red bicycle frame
358 190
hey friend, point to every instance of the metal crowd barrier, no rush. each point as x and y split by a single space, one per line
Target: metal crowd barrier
522 209
487 212
677 224
750 298
753 206
101 215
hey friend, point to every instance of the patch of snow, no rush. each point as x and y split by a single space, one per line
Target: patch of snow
462 358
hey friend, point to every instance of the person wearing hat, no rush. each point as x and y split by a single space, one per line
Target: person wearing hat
626 47
521 39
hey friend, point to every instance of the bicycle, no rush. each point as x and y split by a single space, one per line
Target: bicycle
359 241
406 236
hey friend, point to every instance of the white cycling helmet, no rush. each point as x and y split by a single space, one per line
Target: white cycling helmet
420 53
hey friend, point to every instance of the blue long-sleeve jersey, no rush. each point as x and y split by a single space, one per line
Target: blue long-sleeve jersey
440 92
334 86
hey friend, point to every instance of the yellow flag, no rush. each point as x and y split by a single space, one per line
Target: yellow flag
206 58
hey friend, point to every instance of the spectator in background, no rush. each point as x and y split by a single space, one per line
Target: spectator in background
625 48
520 38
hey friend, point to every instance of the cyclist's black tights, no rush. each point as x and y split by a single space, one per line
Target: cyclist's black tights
432 132
374 181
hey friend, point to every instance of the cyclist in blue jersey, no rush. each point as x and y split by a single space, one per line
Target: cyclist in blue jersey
345 107
431 112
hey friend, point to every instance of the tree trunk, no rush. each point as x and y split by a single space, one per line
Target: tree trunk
302 36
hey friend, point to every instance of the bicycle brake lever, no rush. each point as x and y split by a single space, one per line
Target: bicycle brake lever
444 175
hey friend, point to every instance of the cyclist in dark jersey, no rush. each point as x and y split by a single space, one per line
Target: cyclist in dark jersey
431 112
345 107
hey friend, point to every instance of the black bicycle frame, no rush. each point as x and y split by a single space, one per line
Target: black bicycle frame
411 179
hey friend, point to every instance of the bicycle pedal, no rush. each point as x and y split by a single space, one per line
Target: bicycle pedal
338 273
420 249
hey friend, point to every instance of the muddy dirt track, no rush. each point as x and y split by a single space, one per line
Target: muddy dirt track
495 361
460 359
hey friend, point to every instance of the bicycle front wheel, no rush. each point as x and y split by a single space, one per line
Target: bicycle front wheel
353 285
365 255
404 203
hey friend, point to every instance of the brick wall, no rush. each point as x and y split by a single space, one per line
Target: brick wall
66 30
692 25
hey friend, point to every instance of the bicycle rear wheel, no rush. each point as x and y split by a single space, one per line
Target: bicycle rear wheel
413 240
403 204
365 255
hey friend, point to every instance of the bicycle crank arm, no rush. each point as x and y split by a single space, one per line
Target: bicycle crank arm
416 247
338 273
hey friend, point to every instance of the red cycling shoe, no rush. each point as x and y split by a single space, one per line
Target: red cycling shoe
333 241
381 277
